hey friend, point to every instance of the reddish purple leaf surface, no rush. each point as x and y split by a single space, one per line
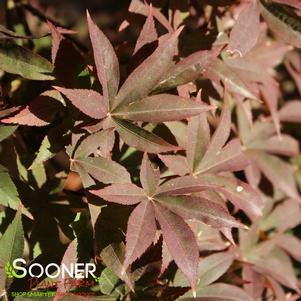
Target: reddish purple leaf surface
221 134
148 33
56 40
177 164
220 292
198 132
184 185
246 30
279 172
106 61
181 243
102 142
202 209
255 282
159 108
189 69
141 139
139 7
149 177
230 158
103 170
213 267
70 257
140 232
284 145
148 74
239 193
40 112
89 102
125 194
280 221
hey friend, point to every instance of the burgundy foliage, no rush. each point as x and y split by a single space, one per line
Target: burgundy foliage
170 161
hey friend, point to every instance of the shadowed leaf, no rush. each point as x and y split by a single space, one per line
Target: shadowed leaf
18 60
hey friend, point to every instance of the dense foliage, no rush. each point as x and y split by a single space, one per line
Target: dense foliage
171 161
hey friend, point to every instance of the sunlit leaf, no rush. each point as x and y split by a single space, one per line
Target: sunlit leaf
18 60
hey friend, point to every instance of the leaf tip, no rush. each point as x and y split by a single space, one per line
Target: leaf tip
123 270
194 293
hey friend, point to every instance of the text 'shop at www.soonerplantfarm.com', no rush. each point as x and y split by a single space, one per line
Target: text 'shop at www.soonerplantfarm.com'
149 150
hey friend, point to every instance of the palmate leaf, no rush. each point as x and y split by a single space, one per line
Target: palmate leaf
212 156
11 244
217 158
161 107
52 143
106 61
213 267
18 60
179 131
180 241
147 75
222 132
170 212
245 33
270 94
